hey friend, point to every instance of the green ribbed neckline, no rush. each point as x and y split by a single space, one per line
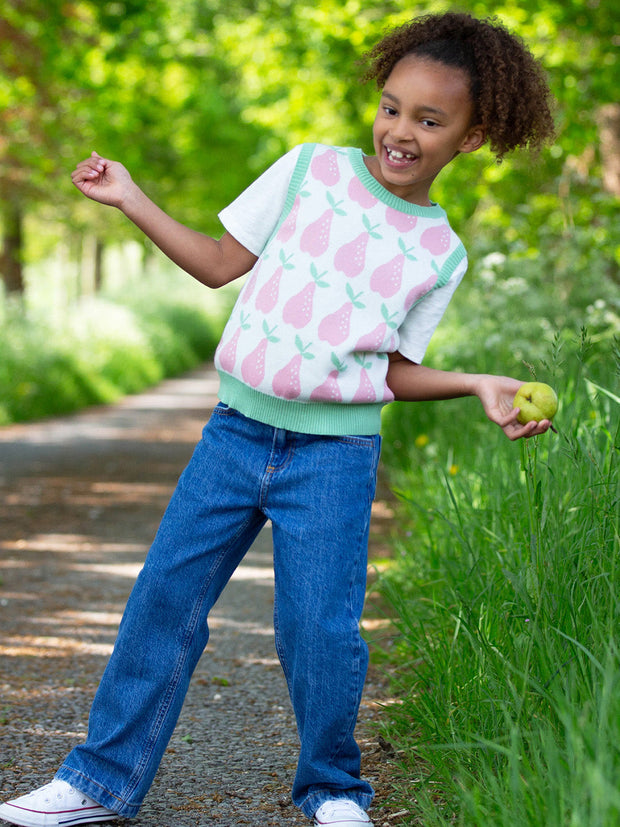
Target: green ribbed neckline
356 157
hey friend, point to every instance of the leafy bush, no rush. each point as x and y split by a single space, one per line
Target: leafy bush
536 283
103 348
41 375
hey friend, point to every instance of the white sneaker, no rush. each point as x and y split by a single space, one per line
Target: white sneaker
341 813
55 804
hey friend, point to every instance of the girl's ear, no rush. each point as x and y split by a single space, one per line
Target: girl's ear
474 139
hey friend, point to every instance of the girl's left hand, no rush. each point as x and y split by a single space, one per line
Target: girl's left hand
496 393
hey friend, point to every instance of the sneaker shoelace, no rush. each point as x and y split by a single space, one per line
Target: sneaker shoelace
62 792
341 808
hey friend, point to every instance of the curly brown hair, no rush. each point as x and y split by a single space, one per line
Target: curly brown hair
508 86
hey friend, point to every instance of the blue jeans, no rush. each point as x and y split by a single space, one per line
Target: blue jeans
317 491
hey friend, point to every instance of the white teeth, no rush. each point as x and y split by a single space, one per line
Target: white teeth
398 155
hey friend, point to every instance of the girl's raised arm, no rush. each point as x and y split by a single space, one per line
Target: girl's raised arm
212 262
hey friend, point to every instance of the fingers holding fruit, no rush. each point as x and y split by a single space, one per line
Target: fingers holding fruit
536 402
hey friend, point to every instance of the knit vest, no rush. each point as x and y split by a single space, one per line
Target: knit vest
306 346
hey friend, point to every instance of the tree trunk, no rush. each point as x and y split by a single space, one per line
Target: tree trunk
609 130
98 265
11 266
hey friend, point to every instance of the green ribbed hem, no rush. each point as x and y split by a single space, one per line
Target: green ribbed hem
325 418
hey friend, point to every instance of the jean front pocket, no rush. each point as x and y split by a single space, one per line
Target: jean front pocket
362 440
222 409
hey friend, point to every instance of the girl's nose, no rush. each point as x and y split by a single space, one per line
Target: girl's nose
402 130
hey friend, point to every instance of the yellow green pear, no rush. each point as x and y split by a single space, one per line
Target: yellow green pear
536 401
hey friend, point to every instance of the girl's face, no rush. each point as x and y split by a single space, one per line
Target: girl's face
424 120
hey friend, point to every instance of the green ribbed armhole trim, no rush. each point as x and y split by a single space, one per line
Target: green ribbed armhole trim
297 179
447 271
450 265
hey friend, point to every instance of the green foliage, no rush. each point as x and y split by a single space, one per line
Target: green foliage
47 50
41 376
510 656
505 589
296 75
535 301
103 348
132 80
196 99
540 288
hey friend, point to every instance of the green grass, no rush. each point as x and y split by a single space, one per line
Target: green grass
506 592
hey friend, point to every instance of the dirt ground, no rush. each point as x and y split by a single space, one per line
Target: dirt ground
80 499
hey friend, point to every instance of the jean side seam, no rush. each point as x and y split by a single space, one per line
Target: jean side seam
279 645
356 671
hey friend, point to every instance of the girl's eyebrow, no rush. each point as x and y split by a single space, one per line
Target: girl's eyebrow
425 108
389 95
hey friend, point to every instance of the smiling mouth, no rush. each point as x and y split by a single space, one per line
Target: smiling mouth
398 158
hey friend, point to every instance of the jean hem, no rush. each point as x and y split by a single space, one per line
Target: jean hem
97 792
315 800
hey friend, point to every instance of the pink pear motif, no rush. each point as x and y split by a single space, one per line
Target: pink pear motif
357 192
334 328
324 168
315 238
365 391
298 309
228 354
329 390
267 297
253 366
289 225
402 221
350 259
436 239
250 284
372 342
388 396
287 381
387 278
420 290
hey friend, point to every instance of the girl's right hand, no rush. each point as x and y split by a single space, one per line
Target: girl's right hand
107 182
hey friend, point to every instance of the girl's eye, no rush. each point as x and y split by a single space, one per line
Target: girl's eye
389 110
429 122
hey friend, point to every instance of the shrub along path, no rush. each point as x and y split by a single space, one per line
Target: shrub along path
80 499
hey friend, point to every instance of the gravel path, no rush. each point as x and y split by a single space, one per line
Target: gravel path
80 499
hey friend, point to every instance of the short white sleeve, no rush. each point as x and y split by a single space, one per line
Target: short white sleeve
252 217
416 331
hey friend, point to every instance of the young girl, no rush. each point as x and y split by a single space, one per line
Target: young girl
351 266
